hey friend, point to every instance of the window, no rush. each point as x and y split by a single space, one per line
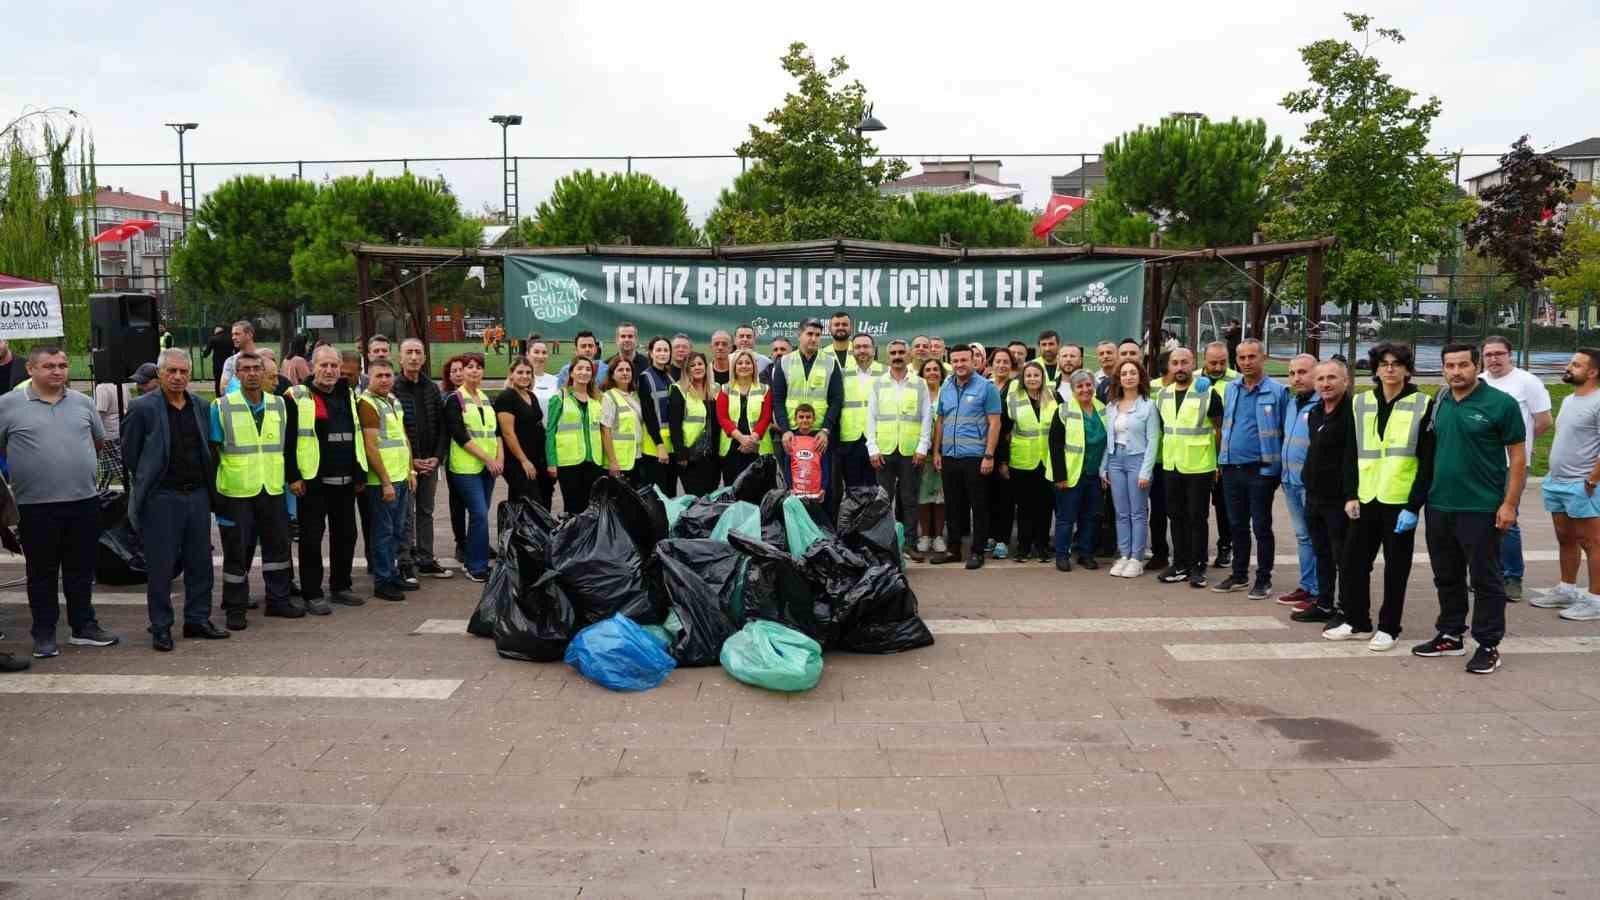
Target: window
1581 169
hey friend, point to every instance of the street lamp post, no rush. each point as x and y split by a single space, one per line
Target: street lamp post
869 122
183 190
508 200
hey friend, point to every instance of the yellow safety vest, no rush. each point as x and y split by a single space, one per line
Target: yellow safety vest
392 445
1386 464
900 410
1219 384
479 417
570 443
307 452
1030 431
1188 442
749 406
1074 442
252 456
853 417
695 413
624 437
801 389
22 384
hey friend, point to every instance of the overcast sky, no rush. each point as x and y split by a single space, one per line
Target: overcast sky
404 78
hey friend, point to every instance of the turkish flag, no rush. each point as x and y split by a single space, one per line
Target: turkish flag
129 229
1056 212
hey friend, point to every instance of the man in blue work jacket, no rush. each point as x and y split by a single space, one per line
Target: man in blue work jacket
966 428
1250 458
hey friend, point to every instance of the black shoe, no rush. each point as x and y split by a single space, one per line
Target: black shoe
1088 562
1230 584
92 635
1064 563
295 591
1224 558
345 598
1484 660
235 619
1157 564
9 663
1445 645
938 559
1045 554
161 639
408 580
975 561
1173 575
434 570
388 592
1197 580
286 611
1314 614
318 606
1261 589
204 630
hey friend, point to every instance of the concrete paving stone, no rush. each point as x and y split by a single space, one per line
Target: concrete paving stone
1122 822
1000 709
1207 730
790 794
1485 701
136 784
402 864
898 711
571 759
547 828
1261 890
1440 726
744 712
1049 734
155 889
1492 751
185 857
1332 754
184 752
367 892
1306 785
1430 858
1156 758
19 817
1069 864
438 756
290 786
778 762
123 816
951 792
56 855
1419 783
1529 888
418 788
1586 722
742 735
672 709
1514 815
1088 789
998 761
657 734
835 829
942 894
600 792
930 734
1366 818
667 870
290 726
652 762
273 820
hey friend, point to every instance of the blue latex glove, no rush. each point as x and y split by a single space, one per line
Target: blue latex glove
225 522
1406 522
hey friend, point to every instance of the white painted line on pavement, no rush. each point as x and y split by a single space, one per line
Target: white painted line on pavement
1024 626
12 598
235 686
442 626
1358 649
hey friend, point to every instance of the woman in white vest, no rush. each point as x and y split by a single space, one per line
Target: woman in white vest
694 440
744 412
621 422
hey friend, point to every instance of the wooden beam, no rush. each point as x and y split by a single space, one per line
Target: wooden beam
1313 308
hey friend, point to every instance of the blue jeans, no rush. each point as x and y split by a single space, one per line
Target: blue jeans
1511 565
474 491
1131 502
1249 496
1294 496
1077 508
388 528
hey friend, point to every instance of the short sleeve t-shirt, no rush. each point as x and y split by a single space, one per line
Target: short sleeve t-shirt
1577 443
1469 460
50 446
1524 387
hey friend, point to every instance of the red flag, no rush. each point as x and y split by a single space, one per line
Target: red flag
129 229
1056 212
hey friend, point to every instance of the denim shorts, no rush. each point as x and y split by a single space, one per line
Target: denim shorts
1570 499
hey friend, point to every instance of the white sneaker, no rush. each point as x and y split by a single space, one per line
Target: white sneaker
1342 632
1118 568
1134 569
939 545
1585 610
1381 642
924 544
1559 597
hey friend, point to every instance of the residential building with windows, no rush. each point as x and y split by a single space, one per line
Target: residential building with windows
1088 179
140 264
957 176
1581 159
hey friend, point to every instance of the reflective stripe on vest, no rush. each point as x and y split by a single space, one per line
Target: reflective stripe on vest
737 406
1030 431
900 410
853 417
252 456
479 418
694 417
1269 435
624 437
801 388
1187 440
392 446
307 450
571 446
1072 445
1386 464
659 398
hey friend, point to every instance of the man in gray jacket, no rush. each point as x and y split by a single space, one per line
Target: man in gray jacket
174 475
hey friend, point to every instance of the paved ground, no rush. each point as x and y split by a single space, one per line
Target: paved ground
1068 734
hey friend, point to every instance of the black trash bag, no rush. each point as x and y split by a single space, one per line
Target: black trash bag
597 565
699 579
643 515
885 613
835 571
119 558
525 530
701 517
755 482
774 588
772 530
866 520
535 624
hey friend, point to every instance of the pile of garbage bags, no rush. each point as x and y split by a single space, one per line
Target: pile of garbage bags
757 581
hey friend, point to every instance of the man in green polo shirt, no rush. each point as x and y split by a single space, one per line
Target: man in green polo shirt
1478 472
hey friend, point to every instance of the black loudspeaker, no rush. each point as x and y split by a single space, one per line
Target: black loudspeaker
122 334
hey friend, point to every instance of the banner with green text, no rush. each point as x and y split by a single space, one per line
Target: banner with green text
992 303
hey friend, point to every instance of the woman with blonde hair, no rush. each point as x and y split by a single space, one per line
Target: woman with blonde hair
689 411
744 412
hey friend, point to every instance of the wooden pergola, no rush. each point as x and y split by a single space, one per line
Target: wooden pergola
1161 269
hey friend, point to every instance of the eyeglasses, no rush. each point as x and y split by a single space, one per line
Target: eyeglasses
1390 364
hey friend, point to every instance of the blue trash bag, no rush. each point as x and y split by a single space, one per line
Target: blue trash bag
617 653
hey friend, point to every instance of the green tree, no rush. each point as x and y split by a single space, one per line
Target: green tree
970 220
402 208
590 208
236 256
1516 224
810 166
753 193
1577 283
48 174
1364 174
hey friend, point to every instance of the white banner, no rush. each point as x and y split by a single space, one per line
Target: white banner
33 311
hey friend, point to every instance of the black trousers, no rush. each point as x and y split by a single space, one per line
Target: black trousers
1219 503
855 466
1159 548
1374 531
1035 502
664 475
1460 543
576 483
58 545
262 519
1330 532
1188 497
458 517
899 476
966 498
734 464
701 476
1249 495
1002 505
330 509
176 527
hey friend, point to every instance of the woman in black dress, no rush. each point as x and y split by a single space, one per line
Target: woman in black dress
522 429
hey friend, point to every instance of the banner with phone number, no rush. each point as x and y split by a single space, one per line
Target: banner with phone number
29 310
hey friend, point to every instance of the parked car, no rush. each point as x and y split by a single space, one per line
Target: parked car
1368 327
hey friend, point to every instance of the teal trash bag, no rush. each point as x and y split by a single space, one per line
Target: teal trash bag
771 656
617 653
660 633
799 528
675 506
745 518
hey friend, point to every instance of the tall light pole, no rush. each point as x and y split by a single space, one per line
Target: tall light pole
183 172
869 122
508 198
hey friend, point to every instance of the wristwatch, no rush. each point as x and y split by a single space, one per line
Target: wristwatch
988 456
